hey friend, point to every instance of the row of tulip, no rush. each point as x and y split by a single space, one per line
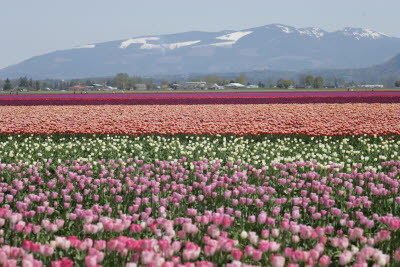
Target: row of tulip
199 100
199 200
261 151
309 119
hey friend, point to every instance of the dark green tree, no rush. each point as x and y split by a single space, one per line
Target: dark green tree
309 80
132 82
23 82
284 83
121 81
318 82
397 83
7 85
135 80
149 84
37 85
302 80
340 82
330 82
30 84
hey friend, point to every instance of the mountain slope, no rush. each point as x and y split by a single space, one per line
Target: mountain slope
385 73
275 46
388 69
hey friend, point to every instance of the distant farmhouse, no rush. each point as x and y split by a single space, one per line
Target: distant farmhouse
79 88
372 86
191 85
94 86
194 85
97 86
140 86
217 87
234 86
204 86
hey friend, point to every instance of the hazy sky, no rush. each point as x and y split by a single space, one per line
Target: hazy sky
34 27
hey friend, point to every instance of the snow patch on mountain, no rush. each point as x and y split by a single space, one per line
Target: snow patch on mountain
85 46
171 46
146 45
234 36
230 38
313 32
364 33
223 44
284 28
143 41
178 45
150 46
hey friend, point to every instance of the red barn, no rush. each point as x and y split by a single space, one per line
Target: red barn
79 87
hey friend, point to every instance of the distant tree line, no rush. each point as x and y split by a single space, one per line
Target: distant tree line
121 81
125 82
28 84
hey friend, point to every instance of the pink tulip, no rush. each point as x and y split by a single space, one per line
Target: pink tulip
345 257
252 219
275 232
277 261
343 243
264 233
263 245
257 254
274 246
324 260
236 254
147 256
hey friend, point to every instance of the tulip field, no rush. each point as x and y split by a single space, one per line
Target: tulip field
308 119
202 98
213 184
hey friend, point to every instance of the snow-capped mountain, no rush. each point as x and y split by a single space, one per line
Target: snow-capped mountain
360 33
274 46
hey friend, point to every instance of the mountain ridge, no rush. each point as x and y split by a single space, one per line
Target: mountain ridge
268 47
